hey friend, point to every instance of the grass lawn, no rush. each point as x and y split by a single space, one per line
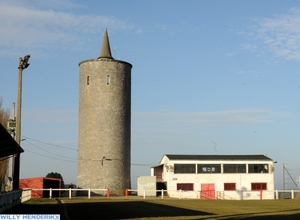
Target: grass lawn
161 209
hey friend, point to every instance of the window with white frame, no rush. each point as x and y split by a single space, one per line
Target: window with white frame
258 186
234 168
258 168
184 168
229 186
209 168
185 186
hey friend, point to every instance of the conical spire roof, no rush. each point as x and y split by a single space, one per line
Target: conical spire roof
105 50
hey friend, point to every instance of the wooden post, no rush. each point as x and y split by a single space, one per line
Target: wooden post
108 193
260 195
50 193
70 192
126 193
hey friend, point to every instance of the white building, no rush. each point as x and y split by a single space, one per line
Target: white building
216 176
146 185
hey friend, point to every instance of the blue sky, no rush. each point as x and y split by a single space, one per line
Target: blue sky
208 77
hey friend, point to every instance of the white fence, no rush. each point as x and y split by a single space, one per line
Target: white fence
287 194
13 198
72 192
180 194
223 195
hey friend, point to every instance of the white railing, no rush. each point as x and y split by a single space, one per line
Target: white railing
71 192
13 198
161 193
287 194
224 195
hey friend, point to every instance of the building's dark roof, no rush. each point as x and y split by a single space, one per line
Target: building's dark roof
216 157
8 146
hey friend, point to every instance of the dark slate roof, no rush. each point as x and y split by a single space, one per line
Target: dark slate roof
8 145
216 157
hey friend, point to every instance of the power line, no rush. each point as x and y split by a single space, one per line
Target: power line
51 157
49 151
49 143
73 159
143 164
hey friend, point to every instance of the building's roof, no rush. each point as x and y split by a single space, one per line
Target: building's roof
41 178
216 157
105 50
8 146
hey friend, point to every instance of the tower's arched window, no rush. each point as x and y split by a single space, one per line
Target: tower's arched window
107 79
88 80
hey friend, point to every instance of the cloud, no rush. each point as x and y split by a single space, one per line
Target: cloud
164 121
164 129
200 119
51 116
250 47
24 27
173 130
281 34
54 125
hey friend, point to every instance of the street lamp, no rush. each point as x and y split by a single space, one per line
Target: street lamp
23 64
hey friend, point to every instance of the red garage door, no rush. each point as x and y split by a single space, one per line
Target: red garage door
207 191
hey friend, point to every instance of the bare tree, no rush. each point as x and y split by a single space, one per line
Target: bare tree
4 117
4 114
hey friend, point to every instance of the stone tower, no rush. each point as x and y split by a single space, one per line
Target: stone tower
104 122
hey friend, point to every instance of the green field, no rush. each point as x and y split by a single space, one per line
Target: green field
156 208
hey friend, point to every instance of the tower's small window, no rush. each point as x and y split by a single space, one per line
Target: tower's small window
88 80
107 79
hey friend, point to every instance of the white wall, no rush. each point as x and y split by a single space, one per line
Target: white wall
242 180
147 183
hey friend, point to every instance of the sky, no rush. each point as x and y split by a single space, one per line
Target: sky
208 77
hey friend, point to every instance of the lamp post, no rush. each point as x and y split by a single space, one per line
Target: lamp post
23 64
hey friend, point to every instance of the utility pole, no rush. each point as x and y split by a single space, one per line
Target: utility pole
23 64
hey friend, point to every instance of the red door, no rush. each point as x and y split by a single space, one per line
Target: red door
207 191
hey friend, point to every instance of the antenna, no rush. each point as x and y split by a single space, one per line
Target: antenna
13 116
11 124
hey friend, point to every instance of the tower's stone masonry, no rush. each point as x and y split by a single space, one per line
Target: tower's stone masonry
104 124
